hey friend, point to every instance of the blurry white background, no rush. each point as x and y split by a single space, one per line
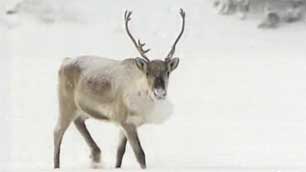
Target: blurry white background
239 92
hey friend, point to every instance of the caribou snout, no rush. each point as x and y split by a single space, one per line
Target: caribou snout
160 93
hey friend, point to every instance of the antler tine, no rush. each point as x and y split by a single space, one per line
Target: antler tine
139 46
172 51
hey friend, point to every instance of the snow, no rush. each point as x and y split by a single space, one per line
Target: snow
238 92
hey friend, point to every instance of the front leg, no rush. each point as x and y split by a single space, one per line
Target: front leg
121 149
130 132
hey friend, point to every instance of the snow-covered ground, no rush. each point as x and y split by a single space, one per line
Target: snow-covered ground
239 92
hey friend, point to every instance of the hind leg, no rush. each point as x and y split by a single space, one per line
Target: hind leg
59 132
67 114
95 150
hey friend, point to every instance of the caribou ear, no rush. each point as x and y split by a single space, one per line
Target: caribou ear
173 63
141 64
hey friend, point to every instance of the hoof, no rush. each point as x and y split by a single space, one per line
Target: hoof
96 165
96 156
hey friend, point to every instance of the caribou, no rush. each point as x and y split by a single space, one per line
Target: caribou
129 93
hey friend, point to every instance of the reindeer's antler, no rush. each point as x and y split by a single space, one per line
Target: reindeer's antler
138 44
172 51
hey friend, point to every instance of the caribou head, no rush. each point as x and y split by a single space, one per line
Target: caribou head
157 72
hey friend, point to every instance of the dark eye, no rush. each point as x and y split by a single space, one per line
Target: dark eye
147 73
168 73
